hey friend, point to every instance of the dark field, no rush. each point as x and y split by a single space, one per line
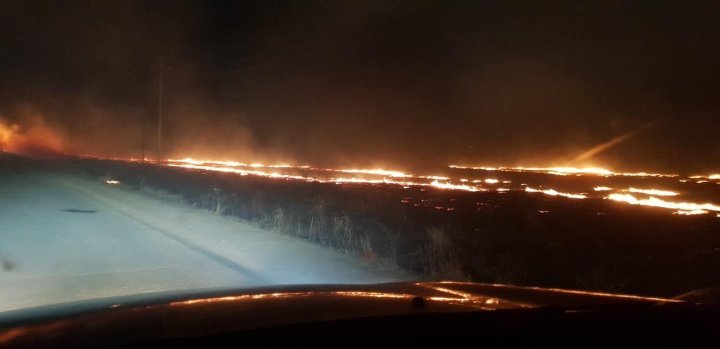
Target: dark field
512 237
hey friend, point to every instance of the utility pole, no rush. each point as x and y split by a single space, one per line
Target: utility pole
144 136
159 114
161 76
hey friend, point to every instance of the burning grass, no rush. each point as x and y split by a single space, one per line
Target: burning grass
511 237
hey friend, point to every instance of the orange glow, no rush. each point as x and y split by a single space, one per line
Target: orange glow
465 297
437 184
291 294
590 293
566 170
656 202
488 181
242 172
235 298
563 171
553 192
378 171
370 294
229 167
406 180
363 180
571 170
388 176
6 134
453 297
484 168
192 161
690 213
657 192
714 176
35 139
439 178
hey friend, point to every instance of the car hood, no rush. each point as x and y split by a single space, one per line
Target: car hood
216 311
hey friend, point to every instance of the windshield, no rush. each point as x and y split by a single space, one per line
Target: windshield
152 146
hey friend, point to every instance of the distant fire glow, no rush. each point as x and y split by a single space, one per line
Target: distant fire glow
553 192
656 202
437 184
706 179
379 176
6 134
33 138
240 171
565 171
656 192
378 171
387 176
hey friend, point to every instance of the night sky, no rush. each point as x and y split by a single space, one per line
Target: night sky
404 84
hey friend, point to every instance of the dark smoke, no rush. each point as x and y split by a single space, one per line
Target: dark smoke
412 85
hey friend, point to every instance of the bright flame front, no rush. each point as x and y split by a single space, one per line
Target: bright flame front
500 185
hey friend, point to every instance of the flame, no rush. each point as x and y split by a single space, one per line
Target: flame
488 181
437 184
571 170
192 161
565 171
689 213
243 172
656 202
379 176
393 177
711 176
378 171
439 178
553 192
657 192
